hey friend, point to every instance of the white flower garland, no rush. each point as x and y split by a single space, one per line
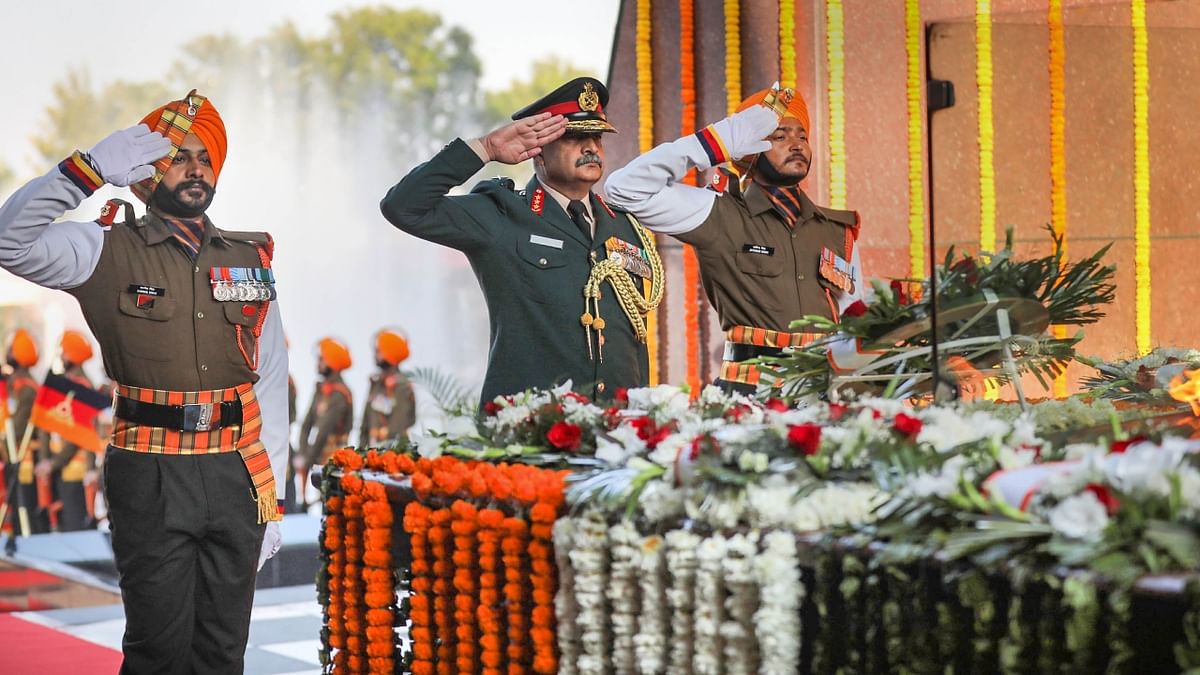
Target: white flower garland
777 621
710 606
623 595
589 557
566 610
650 642
681 564
741 601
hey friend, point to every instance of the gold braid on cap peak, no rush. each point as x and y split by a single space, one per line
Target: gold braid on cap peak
635 305
589 125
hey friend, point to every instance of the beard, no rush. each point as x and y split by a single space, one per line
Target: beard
325 371
767 172
383 365
173 203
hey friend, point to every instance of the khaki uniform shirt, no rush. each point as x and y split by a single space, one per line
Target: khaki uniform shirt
391 409
23 390
331 415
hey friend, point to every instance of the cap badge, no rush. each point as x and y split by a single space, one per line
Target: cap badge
589 100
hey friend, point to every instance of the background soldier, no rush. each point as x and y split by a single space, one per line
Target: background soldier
68 465
768 255
188 330
330 417
535 252
22 441
391 405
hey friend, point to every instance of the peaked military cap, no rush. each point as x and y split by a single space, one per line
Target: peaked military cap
581 101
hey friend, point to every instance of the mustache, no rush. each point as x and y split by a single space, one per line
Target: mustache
189 184
589 158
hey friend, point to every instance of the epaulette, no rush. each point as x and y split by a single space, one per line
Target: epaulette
110 210
504 182
848 219
262 239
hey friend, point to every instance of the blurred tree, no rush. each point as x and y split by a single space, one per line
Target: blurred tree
546 75
80 115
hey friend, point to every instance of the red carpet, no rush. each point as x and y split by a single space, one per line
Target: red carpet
32 649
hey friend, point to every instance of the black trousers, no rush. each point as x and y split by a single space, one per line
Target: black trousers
186 543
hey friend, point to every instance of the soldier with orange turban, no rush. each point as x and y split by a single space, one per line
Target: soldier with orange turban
326 427
391 405
185 316
768 255
67 465
23 444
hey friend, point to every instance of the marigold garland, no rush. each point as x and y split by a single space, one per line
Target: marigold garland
835 44
645 89
916 170
1141 171
733 56
787 44
987 137
1058 154
691 265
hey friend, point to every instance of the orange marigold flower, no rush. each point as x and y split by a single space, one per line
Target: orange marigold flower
405 464
423 667
541 531
422 485
543 616
542 597
352 482
543 513
422 651
545 664
492 659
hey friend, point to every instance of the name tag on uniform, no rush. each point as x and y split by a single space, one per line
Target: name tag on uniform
632 258
545 241
836 270
146 294
758 249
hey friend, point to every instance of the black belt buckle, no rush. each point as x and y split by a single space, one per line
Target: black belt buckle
197 416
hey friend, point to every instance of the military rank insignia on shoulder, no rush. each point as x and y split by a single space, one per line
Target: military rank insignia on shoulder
111 209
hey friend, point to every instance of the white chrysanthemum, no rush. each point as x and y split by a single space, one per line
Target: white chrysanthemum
628 437
611 452
513 415
737 434
887 407
1015 457
661 502
583 414
713 395
941 484
1143 468
1077 451
835 504
665 401
1189 489
668 449
1080 517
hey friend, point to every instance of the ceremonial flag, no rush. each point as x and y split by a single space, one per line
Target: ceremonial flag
69 409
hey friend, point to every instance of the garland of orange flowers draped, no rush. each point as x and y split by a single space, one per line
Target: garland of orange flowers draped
987 137
1058 154
733 56
645 89
357 588
482 580
691 266
916 169
1141 171
787 44
835 54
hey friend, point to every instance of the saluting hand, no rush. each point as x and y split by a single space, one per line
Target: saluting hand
517 142
124 157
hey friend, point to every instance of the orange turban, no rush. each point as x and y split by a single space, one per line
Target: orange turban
75 347
392 345
336 355
796 108
23 348
208 127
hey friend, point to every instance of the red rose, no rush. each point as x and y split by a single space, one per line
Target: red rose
575 396
856 308
491 408
612 418
898 290
1121 446
837 411
736 413
907 425
564 436
805 437
1111 504
968 269
650 432
777 404
621 394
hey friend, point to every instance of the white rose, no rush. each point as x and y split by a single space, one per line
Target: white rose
1080 517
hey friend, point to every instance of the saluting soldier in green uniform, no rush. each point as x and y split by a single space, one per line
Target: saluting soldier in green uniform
767 254
391 405
567 278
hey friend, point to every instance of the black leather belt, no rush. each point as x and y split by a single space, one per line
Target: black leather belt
736 352
189 417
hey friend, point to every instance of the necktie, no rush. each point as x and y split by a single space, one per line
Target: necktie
579 217
188 234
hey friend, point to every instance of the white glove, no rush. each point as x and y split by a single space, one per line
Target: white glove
745 133
124 157
272 540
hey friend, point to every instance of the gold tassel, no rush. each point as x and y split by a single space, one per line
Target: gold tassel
268 505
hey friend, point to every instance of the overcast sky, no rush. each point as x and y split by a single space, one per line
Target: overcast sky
132 41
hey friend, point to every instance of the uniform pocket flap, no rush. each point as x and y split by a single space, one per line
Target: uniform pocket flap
241 313
541 257
146 307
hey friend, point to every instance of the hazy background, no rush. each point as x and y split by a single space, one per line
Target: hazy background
327 104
